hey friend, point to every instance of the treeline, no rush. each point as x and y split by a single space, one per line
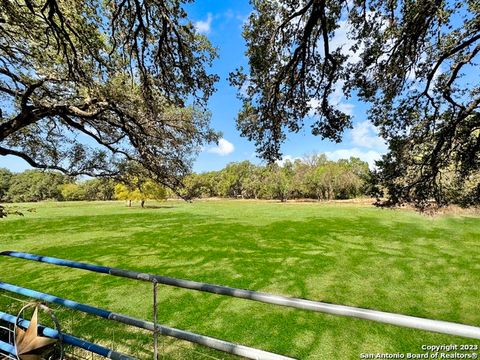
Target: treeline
313 177
35 185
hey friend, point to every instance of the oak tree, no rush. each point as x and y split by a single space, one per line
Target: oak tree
87 85
415 62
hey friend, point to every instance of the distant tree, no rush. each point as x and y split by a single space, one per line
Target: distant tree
343 179
98 189
234 176
5 179
226 182
280 181
254 185
201 185
211 183
311 177
356 177
315 183
117 73
125 192
315 160
72 192
307 175
192 186
35 185
140 190
415 62
152 191
357 167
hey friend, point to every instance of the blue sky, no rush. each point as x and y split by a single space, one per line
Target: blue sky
222 22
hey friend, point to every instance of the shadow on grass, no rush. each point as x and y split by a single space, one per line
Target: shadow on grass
384 264
159 207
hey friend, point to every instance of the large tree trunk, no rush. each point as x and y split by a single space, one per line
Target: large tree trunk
142 203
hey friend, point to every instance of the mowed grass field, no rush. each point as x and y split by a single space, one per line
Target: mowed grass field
390 260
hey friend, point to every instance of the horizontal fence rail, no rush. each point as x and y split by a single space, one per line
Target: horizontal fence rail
8 348
444 327
210 342
68 339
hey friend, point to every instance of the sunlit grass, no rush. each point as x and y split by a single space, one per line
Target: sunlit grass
396 261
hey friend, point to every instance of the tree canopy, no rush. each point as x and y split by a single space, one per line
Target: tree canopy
413 61
139 190
87 85
311 177
35 185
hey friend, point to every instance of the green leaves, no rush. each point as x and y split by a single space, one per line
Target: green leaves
293 73
89 84
412 61
312 177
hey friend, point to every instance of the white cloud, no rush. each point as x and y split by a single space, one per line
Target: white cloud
244 88
340 40
204 26
223 148
346 108
369 156
313 103
366 135
286 158
243 18
337 98
229 14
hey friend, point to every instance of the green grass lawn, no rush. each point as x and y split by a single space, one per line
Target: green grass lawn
396 261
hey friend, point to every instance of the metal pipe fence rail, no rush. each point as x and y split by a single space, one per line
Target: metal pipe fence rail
444 327
438 326
66 338
210 342
8 348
